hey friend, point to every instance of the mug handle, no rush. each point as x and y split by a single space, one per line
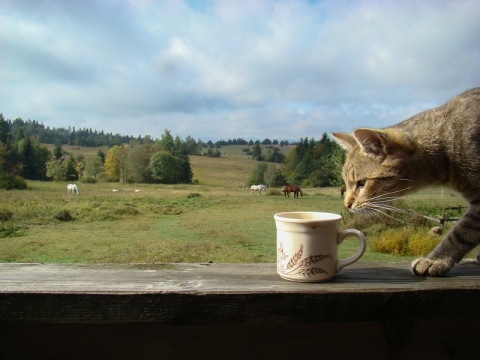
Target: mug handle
341 263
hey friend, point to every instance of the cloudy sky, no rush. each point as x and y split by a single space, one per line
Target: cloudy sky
224 69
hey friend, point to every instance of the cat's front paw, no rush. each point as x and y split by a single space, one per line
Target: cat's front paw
429 267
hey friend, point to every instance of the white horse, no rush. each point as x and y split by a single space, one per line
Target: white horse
73 188
258 188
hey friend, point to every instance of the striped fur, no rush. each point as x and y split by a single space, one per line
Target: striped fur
440 146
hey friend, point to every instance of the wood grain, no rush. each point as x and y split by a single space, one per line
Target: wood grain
228 294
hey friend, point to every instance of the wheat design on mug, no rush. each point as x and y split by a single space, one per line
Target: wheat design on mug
299 265
314 259
312 271
281 256
295 258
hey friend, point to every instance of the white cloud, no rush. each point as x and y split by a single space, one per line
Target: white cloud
228 69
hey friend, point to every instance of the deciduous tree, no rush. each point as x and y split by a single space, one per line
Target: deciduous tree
163 167
112 163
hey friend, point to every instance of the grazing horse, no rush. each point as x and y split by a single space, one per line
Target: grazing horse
258 188
343 190
287 189
73 188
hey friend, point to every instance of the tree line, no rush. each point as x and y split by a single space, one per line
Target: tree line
87 137
20 129
166 160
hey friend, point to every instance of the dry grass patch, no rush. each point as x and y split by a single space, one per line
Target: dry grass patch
405 241
222 172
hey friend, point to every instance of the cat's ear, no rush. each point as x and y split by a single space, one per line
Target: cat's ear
372 141
345 140
384 142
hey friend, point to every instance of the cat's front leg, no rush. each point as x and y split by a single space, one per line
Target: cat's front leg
428 267
462 238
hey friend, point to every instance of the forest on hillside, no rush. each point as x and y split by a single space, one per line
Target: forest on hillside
311 163
24 155
20 128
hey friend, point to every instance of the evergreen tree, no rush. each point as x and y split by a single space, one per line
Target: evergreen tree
58 151
101 155
167 142
41 156
185 174
27 157
4 130
70 171
257 152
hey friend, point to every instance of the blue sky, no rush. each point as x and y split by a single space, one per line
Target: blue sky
233 69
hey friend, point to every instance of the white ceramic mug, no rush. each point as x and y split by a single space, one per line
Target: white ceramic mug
307 245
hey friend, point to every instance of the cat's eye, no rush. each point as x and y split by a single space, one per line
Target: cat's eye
360 184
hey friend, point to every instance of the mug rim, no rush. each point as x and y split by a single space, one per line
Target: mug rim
329 216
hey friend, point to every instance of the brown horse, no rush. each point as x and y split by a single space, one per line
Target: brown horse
287 189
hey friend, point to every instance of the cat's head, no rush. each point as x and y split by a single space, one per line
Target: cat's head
376 170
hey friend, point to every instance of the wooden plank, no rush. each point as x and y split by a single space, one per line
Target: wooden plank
228 293
219 278
178 311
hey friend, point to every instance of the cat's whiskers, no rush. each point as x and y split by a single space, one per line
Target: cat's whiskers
385 214
384 196
387 203
382 205
385 209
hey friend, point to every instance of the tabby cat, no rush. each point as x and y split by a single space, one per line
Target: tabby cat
440 146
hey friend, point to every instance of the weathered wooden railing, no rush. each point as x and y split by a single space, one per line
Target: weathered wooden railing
441 220
208 311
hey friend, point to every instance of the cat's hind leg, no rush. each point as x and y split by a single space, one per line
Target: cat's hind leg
462 238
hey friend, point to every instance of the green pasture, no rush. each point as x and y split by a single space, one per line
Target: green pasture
184 223
216 220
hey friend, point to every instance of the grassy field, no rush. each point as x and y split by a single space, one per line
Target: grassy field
216 220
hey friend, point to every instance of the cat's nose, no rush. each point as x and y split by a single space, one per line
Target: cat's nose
348 204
